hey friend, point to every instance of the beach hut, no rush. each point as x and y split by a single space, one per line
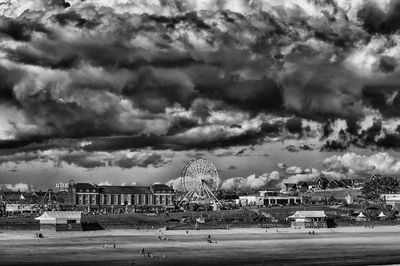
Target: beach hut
60 221
382 216
308 219
361 217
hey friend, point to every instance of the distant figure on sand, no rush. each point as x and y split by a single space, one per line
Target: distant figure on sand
142 251
209 239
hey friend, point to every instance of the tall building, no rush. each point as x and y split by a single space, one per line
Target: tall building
117 199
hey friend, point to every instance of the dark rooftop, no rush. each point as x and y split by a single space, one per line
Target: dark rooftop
159 187
85 186
125 189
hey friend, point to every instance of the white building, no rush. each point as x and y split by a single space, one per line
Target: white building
248 200
391 199
280 200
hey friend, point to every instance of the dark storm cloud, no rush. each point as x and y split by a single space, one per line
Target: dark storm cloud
78 157
384 98
20 29
389 141
195 75
294 125
75 19
377 20
156 89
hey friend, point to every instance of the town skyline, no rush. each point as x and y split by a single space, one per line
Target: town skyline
120 92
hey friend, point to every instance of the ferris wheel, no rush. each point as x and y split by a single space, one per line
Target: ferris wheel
199 170
199 180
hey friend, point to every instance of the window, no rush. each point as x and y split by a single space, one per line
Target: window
71 221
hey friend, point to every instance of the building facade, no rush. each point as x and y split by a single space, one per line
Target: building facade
391 199
280 200
118 199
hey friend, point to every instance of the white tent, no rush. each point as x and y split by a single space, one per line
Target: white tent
381 215
60 217
361 215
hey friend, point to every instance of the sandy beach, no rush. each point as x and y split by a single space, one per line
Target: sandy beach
254 246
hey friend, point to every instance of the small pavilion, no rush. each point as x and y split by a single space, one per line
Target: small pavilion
60 221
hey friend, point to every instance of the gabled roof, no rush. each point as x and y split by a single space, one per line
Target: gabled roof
347 182
301 183
290 185
125 189
308 214
60 215
342 184
323 179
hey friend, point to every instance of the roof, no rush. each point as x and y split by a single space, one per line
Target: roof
308 214
85 186
158 187
60 215
347 181
301 183
290 184
323 180
381 215
125 189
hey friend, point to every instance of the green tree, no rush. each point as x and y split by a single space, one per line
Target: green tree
377 186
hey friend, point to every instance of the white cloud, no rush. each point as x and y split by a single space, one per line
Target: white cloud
106 183
20 186
250 182
294 170
175 183
311 176
379 163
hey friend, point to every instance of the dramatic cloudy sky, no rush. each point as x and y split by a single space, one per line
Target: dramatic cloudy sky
129 91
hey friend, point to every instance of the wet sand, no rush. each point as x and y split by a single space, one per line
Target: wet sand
340 246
